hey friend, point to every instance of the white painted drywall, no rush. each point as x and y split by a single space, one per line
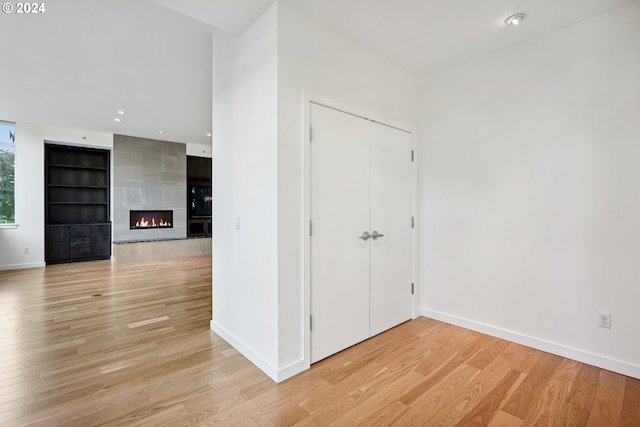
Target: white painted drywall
530 191
259 81
29 190
199 150
245 186
315 60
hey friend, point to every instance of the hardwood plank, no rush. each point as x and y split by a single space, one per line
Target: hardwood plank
432 378
503 419
529 390
494 371
482 413
458 404
71 359
383 416
521 358
630 413
431 406
580 400
488 354
607 407
547 408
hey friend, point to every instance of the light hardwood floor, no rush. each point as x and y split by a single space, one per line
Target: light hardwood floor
98 343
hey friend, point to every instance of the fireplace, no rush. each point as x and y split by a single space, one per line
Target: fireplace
150 219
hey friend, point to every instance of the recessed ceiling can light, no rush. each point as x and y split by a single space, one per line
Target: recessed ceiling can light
120 112
161 132
116 119
208 134
515 19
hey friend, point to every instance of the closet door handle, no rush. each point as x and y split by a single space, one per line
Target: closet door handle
365 235
375 235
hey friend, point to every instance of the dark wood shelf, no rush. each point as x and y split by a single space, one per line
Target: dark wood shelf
78 167
76 204
96 187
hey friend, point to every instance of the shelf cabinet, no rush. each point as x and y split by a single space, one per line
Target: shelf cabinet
198 180
79 242
76 204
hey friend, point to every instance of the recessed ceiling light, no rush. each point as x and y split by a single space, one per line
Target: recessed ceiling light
116 119
161 132
515 19
120 112
208 134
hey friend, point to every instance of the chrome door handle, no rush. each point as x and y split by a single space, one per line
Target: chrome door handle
375 235
365 235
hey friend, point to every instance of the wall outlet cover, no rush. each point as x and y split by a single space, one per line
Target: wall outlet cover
604 319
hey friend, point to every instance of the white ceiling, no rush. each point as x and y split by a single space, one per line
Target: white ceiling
425 36
81 61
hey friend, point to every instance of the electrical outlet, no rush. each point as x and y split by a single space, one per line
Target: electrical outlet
26 250
604 320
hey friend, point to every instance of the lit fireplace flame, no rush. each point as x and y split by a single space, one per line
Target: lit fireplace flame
145 223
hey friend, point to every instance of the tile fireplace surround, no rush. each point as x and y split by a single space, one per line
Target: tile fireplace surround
148 175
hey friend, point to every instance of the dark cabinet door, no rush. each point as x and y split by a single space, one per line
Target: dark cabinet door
79 241
101 241
57 243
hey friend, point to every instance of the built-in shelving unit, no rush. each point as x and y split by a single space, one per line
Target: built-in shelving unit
76 204
198 191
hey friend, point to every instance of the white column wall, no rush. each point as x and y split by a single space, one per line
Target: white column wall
259 81
245 263
530 192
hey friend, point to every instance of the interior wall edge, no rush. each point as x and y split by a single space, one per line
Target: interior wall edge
598 360
247 351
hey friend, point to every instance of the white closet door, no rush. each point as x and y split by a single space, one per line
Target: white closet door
340 213
391 208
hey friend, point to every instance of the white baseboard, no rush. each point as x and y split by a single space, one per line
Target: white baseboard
291 370
619 366
276 374
23 266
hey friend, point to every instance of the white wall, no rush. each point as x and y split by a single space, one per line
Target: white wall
259 80
316 61
245 264
199 150
530 192
29 189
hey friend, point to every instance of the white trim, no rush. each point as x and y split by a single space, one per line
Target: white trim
291 370
276 374
23 266
9 226
306 217
604 362
307 99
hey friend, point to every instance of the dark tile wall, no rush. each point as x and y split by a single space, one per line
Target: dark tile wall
148 174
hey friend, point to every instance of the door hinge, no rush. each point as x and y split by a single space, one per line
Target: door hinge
310 133
413 291
412 155
413 222
310 228
311 323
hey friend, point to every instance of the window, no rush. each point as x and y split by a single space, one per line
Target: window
7 172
